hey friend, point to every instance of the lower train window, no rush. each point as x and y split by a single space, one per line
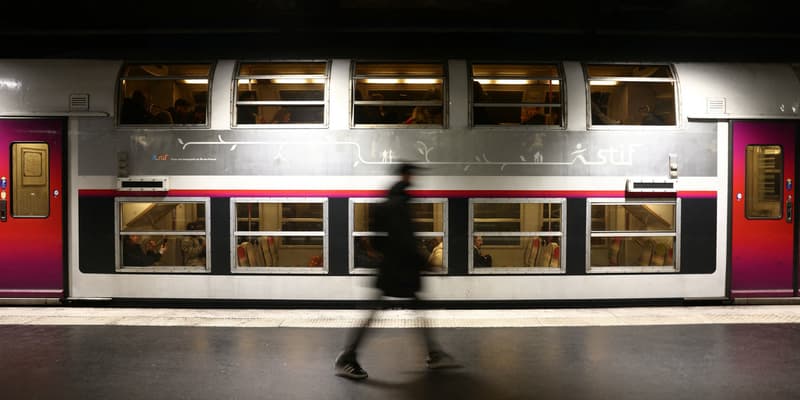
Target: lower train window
429 217
279 235
517 235
632 236
158 235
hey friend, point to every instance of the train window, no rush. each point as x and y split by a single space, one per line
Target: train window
164 94
30 182
631 94
764 183
402 94
632 236
517 235
279 235
429 217
516 94
157 235
280 93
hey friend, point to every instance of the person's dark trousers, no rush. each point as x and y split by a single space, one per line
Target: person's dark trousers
357 334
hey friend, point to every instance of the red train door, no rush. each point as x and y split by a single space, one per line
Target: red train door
763 209
32 260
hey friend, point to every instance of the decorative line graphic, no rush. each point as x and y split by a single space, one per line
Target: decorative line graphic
620 155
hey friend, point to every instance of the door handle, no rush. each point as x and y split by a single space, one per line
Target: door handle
789 207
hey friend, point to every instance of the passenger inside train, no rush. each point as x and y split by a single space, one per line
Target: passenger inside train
480 259
135 255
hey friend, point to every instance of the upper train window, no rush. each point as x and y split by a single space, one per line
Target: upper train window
516 94
280 93
164 94
631 94
517 235
402 94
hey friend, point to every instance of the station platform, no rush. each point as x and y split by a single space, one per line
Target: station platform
708 352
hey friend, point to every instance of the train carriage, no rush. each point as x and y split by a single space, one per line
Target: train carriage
258 179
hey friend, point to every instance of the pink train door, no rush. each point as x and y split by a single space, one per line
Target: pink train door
763 209
31 208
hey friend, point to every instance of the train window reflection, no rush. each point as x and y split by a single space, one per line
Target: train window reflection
279 235
429 218
168 236
631 94
403 94
164 94
516 94
764 182
632 236
281 93
516 235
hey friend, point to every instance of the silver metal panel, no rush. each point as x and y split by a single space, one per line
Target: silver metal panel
749 89
39 87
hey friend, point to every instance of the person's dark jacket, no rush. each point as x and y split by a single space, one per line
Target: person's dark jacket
399 272
134 256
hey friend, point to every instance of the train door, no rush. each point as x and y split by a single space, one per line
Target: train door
763 245
32 255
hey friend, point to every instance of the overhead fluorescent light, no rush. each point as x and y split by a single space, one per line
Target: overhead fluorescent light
603 83
196 81
409 81
298 80
504 81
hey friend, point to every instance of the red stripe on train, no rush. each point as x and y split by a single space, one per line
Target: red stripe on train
380 193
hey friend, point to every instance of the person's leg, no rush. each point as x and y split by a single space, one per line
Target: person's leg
346 364
425 328
357 334
437 358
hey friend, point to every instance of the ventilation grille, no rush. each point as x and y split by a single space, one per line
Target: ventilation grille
715 105
154 184
79 102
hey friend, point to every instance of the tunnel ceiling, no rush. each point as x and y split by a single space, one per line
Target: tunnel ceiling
682 29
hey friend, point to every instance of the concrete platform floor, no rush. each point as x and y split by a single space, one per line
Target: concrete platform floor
621 353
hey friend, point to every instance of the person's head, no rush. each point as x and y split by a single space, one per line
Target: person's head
181 105
282 115
134 238
406 171
478 241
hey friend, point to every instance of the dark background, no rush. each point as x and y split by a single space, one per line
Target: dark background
618 30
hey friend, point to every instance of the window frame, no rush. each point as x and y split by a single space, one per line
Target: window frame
352 233
562 96
325 102
634 269
234 233
588 91
162 268
118 93
411 103
562 234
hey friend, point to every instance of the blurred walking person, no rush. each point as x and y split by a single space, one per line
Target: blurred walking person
398 275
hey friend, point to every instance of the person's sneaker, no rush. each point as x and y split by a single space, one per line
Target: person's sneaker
347 366
440 360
